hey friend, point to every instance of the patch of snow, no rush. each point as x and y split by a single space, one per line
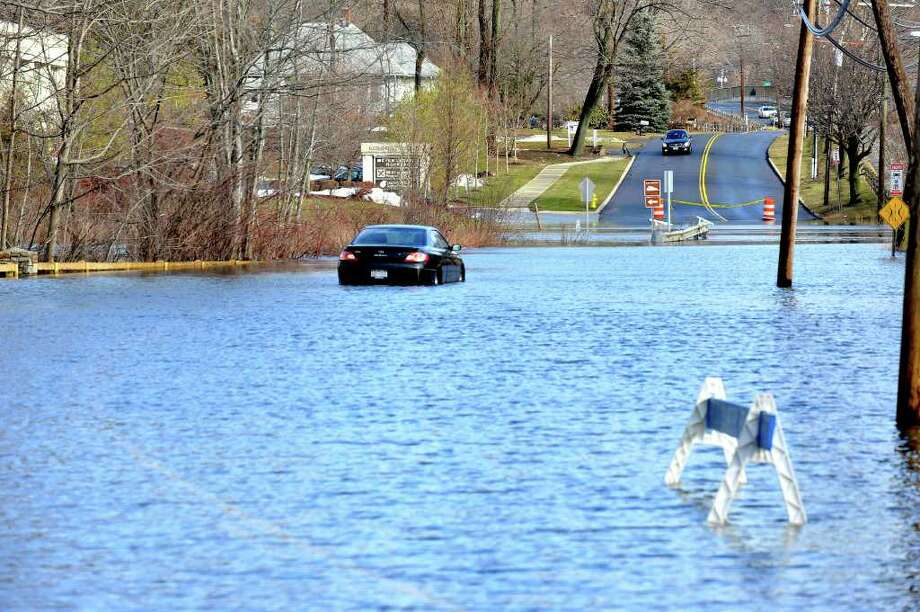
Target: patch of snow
468 181
379 196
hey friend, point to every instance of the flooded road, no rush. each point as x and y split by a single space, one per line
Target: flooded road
274 441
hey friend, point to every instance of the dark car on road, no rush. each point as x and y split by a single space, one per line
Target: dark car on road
400 255
676 141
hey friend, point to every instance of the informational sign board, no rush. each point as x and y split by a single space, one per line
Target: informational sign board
895 213
400 166
651 190
668 181
896 179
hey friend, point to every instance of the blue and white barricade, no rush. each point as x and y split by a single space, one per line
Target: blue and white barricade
746 435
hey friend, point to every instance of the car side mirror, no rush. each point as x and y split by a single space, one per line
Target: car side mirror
456 248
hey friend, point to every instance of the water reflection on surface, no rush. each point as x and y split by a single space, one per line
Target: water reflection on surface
271 440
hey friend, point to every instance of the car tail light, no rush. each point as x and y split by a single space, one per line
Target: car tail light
417 257
347 256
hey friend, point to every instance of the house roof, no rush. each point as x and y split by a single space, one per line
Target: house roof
361 53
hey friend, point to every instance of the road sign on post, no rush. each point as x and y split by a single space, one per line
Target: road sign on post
651 191
895 213
668 188
587 191
896 180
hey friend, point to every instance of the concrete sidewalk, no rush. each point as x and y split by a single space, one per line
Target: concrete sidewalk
522 198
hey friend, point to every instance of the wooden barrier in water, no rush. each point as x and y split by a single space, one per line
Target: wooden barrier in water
70 267
9 270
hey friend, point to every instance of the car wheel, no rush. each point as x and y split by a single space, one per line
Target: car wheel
462 274
434 277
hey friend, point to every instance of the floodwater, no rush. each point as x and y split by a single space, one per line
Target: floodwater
274 441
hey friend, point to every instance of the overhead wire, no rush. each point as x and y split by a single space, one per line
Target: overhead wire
857 17
841 13
825 32
853 56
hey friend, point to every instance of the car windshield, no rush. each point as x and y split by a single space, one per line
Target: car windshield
401 236
676 134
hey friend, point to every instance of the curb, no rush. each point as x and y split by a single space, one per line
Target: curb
783 181
616 187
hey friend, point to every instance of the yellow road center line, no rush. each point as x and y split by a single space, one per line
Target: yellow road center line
704 164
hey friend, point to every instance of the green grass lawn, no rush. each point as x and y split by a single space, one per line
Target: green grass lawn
812 192
500 186
564 195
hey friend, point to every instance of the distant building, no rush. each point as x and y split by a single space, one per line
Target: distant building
387 68
346 57
42 65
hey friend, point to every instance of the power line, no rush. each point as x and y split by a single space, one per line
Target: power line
857 17
853 56
841 13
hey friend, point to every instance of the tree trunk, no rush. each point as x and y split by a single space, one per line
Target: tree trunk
908 409
493 44
853 175
611 107
602 72
827 173
603 69
485 47
10 152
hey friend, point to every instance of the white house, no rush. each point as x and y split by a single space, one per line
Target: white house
42 65
344 56
388 68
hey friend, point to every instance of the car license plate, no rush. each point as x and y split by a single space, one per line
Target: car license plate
378 274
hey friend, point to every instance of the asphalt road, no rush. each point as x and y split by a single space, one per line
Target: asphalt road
737 178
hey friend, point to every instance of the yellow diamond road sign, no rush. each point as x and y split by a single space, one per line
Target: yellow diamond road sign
895 213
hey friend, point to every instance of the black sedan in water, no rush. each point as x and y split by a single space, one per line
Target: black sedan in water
677 141
401 255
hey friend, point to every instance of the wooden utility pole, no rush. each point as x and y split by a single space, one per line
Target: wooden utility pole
794 161
908 409
883 119
549 98
743 116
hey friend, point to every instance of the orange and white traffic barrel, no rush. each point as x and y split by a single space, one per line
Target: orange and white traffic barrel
769 210
658 211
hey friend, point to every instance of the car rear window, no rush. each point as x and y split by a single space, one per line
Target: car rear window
401 236
677 134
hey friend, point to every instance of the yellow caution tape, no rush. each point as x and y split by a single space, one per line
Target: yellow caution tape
710 205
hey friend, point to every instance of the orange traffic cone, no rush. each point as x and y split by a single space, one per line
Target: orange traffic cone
769 210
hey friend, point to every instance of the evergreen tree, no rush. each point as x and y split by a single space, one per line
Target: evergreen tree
643 95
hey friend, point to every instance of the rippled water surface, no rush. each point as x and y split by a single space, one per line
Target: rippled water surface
273 440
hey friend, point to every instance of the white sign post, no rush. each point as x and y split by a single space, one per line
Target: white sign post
587 191
746 435
571 128
668 188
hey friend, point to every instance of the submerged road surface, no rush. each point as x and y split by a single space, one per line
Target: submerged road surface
724 180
